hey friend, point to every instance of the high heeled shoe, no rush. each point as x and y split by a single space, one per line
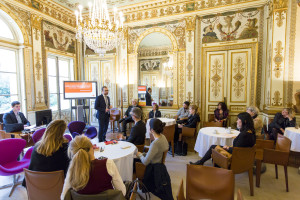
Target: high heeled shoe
196 163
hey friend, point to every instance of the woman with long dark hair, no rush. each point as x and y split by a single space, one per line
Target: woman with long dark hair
221 113
246 138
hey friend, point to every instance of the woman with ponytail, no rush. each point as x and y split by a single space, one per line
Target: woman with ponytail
87 175
158 146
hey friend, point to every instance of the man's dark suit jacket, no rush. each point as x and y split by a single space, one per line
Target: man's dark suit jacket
10 118
281 122
148 99
127 113
100 106
138 133
157 114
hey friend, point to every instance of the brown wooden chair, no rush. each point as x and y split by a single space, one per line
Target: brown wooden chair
140 168
133 194
211 117
44 185
212 124
4 135
169 134
278 156
241 161
203 182
239 195
114 117
140 147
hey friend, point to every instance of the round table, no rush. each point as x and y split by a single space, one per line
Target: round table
293 134
168 122
123 158
213 136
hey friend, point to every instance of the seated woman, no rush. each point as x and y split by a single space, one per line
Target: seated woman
246 138
50 153
285 118
158 146
154 113
87 175
221 113
192 121
258 125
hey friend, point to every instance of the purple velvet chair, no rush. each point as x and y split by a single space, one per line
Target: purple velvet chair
76 126
91 132
10 149
37 135
68 137
74 134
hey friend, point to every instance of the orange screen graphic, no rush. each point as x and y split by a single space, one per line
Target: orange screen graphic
77 87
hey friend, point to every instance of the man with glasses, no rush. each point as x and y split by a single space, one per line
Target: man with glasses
102 105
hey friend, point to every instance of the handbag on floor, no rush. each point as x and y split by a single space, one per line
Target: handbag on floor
130 189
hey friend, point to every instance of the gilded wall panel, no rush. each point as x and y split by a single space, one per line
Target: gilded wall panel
181 77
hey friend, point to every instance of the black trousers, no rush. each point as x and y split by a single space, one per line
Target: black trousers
103 126
207 155
273 132
177 133
125 122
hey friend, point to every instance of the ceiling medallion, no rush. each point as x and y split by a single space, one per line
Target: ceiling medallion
98 30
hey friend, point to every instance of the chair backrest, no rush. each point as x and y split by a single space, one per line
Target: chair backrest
37 135
3 135
169 132
212 124
140 147
108 194
10 149
264 144
283 143
44 185
68 137
242 159
203 182
76 126
211 117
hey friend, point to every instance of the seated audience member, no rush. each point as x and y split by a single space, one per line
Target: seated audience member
281 120
127 117
158 146
221 113
258 125
50 153
183 113
154 113
192 121
138 131
87 175
15 116
246 138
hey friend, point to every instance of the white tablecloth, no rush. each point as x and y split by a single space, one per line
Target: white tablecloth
294 135
207 137
168 122
123 158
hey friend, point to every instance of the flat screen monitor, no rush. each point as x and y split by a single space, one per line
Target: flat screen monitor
80 89
43 117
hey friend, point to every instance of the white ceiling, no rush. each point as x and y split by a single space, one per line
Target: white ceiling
73 4
156 39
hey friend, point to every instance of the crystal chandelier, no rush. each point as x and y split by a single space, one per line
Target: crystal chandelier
98 31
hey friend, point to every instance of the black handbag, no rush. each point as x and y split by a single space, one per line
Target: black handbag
130 189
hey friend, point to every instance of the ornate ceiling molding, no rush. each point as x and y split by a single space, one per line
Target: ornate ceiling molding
47 10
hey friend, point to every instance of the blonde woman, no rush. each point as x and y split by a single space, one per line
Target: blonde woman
87 175
51 152
258 124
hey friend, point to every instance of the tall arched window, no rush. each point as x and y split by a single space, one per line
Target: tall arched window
11 62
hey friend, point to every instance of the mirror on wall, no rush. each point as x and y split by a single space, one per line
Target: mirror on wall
155 61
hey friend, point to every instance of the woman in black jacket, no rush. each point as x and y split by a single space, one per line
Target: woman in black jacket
246 138
154 113
192 121
51 152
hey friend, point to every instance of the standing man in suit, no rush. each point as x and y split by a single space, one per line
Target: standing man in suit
102 105
15 116
148 97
